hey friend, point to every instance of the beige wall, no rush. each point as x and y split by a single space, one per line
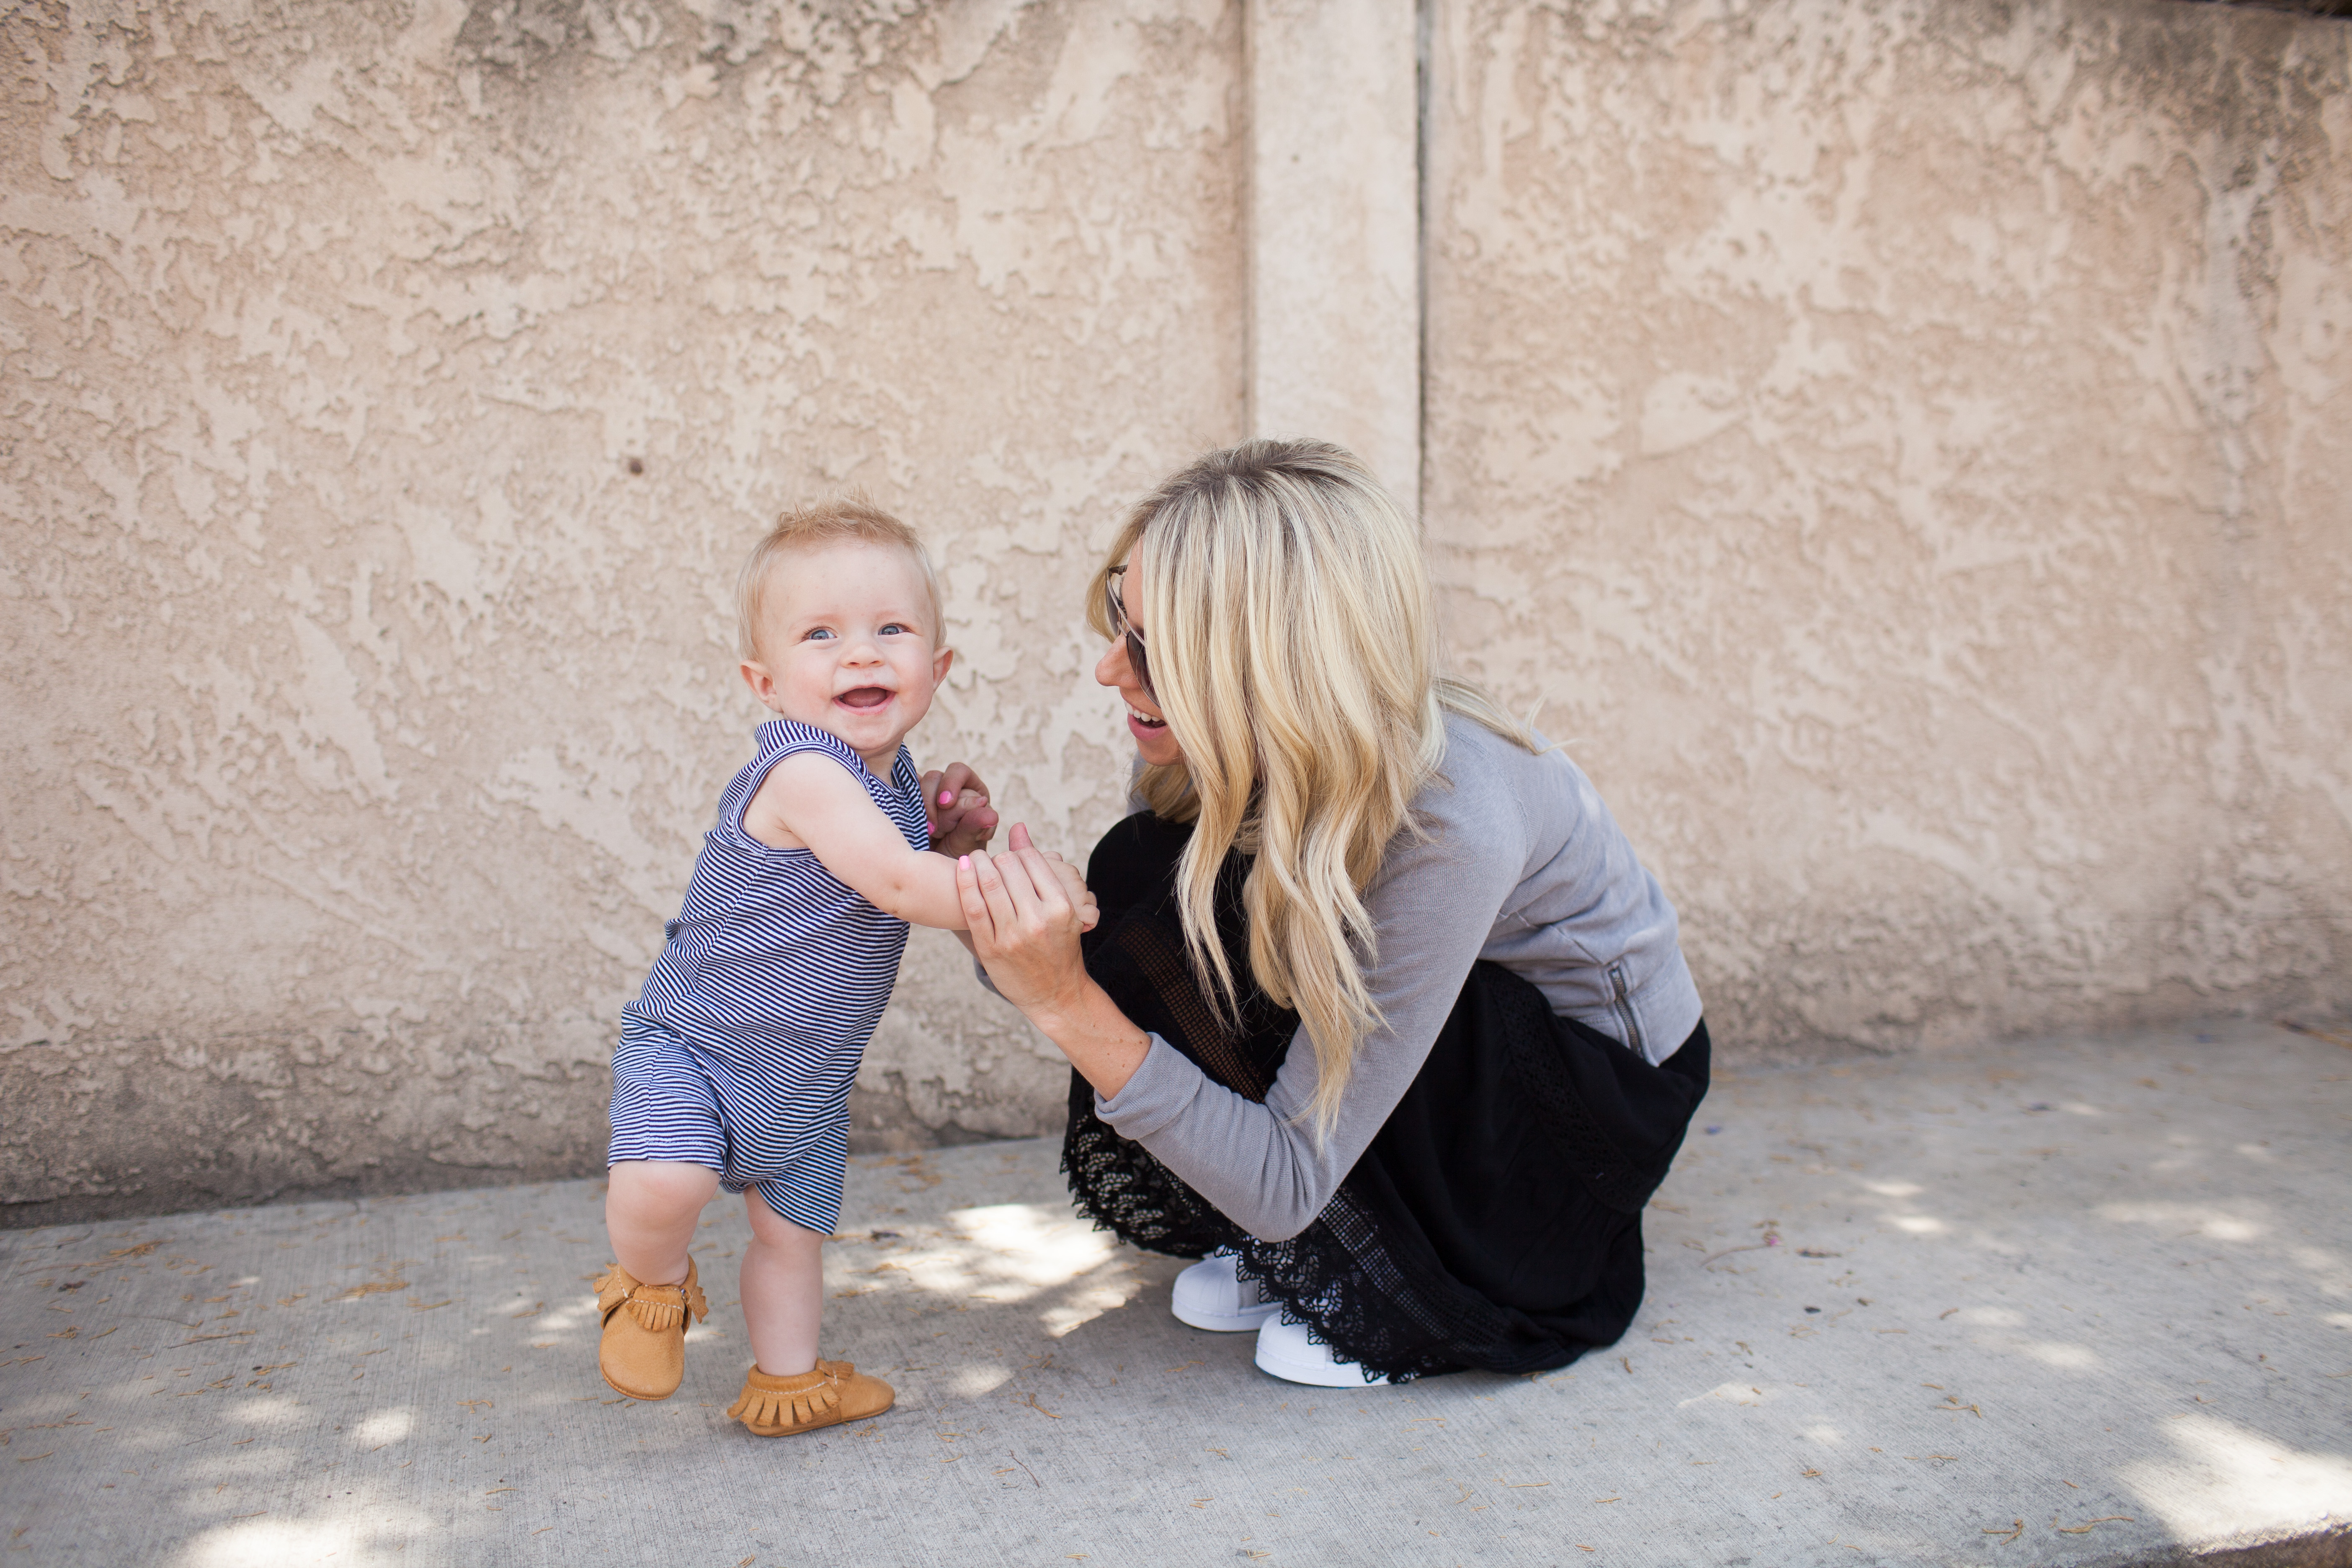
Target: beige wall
1909 445
1334 319
1904 443
367 703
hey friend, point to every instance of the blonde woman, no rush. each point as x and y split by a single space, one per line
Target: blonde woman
1383 1016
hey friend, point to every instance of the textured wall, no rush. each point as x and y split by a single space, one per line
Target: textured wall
388 391
1904 443
1908 445
1335 227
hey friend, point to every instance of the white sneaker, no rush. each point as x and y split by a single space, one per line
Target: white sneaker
1286 1351
1213 1294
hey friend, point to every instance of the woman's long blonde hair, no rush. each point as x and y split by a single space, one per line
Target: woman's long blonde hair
1291 635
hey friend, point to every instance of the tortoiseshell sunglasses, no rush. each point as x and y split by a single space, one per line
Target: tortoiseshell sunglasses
1119 628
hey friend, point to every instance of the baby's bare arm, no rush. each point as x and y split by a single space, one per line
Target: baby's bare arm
809 801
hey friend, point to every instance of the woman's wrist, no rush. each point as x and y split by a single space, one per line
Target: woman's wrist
1064 1014
1101 1041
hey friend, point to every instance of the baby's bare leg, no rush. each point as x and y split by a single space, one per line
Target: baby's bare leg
650 1207
784 1289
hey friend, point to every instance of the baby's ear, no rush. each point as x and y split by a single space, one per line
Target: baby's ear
941 662
755 676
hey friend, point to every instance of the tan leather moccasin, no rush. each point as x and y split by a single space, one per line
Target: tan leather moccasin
643 1350
833 1393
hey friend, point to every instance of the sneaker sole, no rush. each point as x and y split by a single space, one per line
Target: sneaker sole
1225 1322
1317 1374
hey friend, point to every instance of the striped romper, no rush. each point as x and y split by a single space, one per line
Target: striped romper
739 1053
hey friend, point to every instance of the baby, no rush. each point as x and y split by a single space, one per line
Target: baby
735 1064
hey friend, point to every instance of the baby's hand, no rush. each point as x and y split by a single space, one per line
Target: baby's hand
1074 884
956 803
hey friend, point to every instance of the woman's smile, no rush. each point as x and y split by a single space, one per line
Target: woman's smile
1145 722
1150 728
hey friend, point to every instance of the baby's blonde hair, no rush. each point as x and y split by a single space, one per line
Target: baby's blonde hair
849 517
1293 644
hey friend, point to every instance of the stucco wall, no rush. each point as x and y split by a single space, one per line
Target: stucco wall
1908 445
1903 444
390 390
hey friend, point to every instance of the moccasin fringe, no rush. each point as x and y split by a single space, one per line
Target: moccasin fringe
775 1404
651 1311
613 1288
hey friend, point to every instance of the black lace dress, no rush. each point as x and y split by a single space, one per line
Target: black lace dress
1494 1221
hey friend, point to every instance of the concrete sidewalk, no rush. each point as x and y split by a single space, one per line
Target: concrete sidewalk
2074 1301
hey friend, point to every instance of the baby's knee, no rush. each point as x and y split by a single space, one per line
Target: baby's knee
650 1187
770 1229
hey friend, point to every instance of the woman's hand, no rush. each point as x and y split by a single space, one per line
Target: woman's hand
1022 911
956 803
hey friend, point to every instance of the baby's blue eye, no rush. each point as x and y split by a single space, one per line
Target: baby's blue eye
895 626
819 632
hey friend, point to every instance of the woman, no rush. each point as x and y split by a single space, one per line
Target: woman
1381 1013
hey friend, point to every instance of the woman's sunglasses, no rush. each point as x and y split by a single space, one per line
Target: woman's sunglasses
1119 628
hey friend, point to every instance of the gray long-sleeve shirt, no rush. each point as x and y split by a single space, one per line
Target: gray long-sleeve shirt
1518 861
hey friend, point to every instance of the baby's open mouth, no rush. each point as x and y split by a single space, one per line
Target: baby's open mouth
864 697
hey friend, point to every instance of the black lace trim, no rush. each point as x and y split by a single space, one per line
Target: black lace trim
1370 1306
1124 1190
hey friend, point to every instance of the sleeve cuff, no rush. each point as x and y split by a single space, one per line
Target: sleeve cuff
1162 1086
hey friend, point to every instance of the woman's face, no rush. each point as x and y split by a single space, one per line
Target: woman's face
1144 720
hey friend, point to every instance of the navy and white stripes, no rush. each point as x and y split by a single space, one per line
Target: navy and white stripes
740 1051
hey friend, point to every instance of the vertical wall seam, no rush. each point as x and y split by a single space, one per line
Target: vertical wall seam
1249 224
1424 22
1334 333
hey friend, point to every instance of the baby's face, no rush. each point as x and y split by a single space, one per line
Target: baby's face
847 642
